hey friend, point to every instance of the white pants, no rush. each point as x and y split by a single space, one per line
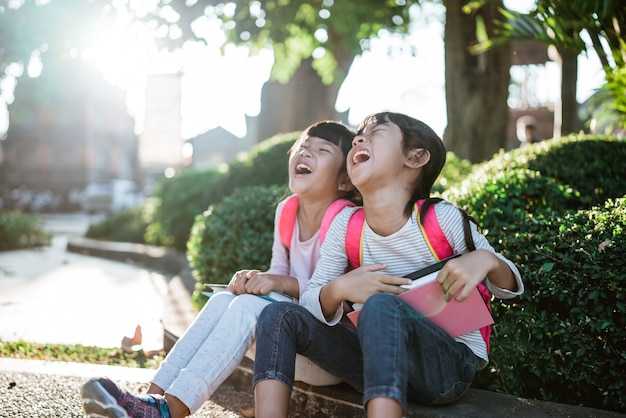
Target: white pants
214 345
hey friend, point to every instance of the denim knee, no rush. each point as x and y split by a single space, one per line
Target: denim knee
380 303
272 311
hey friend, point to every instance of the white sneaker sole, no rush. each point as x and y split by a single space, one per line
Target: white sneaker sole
98 403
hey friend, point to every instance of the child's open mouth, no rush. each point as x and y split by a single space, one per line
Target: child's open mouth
303 169
360 156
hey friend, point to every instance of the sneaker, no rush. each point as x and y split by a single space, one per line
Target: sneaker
102 398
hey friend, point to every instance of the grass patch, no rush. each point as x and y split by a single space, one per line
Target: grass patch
81 354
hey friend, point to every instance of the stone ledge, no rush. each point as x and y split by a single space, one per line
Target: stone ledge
157 258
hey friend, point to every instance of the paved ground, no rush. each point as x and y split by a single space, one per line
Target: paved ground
50 295
37 389
53 296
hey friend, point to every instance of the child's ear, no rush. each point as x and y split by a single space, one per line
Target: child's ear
418 157
343 183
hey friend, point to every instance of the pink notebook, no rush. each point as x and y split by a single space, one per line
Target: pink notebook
457 318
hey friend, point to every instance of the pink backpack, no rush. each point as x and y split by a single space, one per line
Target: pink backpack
434 236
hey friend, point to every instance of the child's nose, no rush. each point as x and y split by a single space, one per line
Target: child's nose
357 140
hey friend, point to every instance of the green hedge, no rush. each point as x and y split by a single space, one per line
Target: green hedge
592 165
128 225
536 205
454 171
563 339
174 204
22 230
234 234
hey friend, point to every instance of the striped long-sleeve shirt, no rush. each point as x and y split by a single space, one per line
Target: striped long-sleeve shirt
403 252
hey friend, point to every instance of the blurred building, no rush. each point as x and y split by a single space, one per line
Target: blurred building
217 147
68 127
161 143
529 115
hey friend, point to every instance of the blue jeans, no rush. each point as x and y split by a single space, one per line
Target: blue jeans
395 352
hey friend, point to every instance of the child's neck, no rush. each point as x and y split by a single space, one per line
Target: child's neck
384 210
310 215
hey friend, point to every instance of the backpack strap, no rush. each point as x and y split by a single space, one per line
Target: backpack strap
287 221
354 238
431 230
434 236
332 211
440 248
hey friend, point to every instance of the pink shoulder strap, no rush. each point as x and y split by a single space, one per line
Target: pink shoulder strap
330 214
288 215
354 237
287 220
441 249
431 230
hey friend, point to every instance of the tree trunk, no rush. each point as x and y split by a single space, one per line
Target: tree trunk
569 105
477 86
566 106
297 104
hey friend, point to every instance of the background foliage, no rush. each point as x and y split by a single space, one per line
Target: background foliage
129 225
22 230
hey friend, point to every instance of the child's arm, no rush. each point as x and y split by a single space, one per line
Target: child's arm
358 285
460 275
503 277
330 285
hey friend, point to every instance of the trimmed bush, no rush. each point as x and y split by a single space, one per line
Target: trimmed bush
504 197
233 234
22 230
174 205
128 225
544 178
557 342
454 171
562 340
592 165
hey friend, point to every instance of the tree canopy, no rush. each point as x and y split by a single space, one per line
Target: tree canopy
330 32
59 27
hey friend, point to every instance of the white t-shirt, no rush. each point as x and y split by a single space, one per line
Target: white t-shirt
300 261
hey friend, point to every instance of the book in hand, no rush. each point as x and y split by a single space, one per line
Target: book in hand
273 296
426 296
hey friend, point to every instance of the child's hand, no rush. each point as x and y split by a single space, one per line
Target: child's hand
461 275
262 284
361 283
237 284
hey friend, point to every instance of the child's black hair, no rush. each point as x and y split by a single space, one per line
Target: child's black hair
415 134
334 132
